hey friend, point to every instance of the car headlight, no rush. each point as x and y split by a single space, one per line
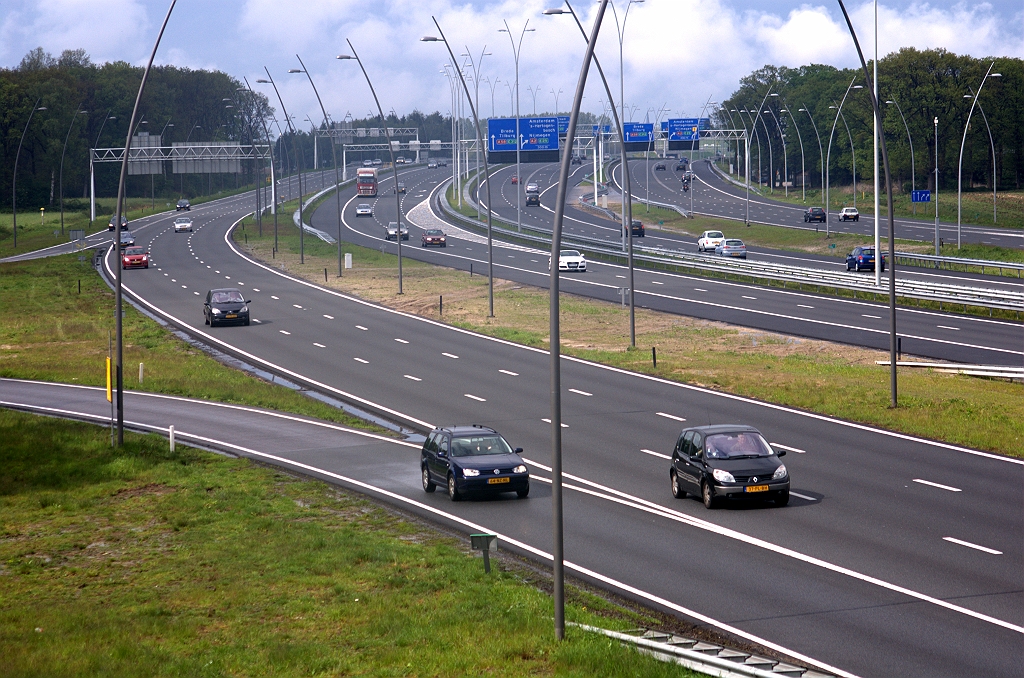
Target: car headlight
216 311
244 309
470 472
723 476
779 472
519 469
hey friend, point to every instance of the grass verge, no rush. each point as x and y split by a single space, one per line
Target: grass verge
52 332
818 376
141 562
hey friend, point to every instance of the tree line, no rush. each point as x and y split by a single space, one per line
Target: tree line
915 87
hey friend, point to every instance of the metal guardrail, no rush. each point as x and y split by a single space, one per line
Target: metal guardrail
953 262
755 270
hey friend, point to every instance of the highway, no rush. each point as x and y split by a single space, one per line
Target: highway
897 556
946 336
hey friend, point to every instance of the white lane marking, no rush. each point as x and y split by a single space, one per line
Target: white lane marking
296 306
938 485
947 327
360 327
804 306
802 496
582 393
655 454
669 416
255 289
241 283
196 293
216 271
655 282
173 280
207 266
184 287
511 374
697 289
548 421
256 321
632 501
788 448
273 297
973 546
476 398
450 355
360 360
608 368
319 345
746 297
865 315
409 376
401 341
284 332
620 276
329 317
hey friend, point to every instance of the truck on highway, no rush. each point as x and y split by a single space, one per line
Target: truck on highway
366 181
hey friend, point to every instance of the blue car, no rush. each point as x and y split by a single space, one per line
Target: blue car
862 259
467 459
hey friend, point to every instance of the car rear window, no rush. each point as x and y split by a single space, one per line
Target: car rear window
476 446
734 243
715 234
736 446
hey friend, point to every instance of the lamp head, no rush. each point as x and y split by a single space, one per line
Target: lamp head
774 94
41 108
344 57
296 70
262 81
995 75
858 87
553 12
968 96
430 38
890 102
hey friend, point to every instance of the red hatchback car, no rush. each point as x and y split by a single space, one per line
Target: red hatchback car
515 179
135 257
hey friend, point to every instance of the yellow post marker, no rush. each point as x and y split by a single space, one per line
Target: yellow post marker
42 216
110 397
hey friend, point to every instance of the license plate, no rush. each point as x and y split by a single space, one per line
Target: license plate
499 481
756 488
231 315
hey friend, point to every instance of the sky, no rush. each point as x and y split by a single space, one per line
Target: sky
676 54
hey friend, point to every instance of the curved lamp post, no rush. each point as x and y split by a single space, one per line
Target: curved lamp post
821 153
14 174
768 136
391 150
273 173
92 175
475 67
334 156
487 174
960 163
298 163
757 138
992 143
63 151
828 157
785 155
913 174
800 138
517 48
627 197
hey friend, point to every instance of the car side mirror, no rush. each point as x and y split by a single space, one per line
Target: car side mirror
780 453
248 301
442 455
518 450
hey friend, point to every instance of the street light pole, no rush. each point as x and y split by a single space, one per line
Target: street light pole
785 155
14 174
475 67
63 151
273 173
800 138
92 172
828 157
821 153
479 143
768 137
938 249
960 163
558 553
516 51
853 157
627 196
981 109
391 151
910 140
334 158
298 164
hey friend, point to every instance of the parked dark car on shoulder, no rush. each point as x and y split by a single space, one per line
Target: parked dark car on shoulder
225 306
727 462
466 459
814 214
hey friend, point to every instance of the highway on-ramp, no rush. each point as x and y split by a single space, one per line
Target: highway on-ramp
896 556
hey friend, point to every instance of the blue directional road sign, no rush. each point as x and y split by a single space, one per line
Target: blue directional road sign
563 124
920 196
501 134
606 129
538 134
638 132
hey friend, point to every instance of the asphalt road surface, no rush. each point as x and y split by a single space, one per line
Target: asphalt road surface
897 556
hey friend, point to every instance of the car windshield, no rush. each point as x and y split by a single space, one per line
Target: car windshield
182 220
715 234
569 253
435 231
741 445
476 446
134 251
734 243
227 297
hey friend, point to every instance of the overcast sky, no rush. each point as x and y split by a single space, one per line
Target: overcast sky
677 53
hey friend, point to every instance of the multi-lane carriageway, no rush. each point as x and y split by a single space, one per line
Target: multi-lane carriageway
896 556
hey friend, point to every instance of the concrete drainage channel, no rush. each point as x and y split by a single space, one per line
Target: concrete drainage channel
707 658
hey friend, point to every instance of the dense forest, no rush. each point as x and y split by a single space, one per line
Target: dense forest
923 85
179 104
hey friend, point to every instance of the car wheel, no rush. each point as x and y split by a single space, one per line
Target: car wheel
856 218
782 498
428 484
707 494
677 490
453 491
848 267
246 323
523 493
206 320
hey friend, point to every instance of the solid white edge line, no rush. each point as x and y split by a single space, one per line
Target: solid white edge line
669 416
632 501
182 435
636 375
656 454
579 392
938 485
788 448
969 545
802 496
